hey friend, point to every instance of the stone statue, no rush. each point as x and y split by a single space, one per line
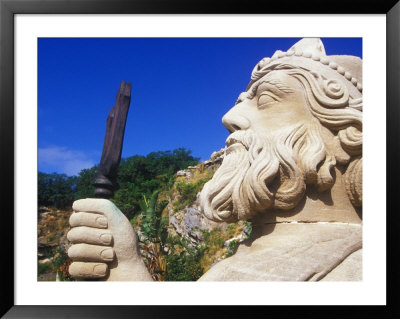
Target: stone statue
293 166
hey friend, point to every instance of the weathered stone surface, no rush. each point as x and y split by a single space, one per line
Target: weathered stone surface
295 252
190 223
181 173
349 270
104 245
46 260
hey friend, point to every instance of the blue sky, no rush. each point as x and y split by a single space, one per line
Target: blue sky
181 88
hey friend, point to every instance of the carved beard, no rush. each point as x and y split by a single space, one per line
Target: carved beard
259 173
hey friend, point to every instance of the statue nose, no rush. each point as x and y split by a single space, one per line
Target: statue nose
234 121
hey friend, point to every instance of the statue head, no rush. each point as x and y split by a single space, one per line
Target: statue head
299 118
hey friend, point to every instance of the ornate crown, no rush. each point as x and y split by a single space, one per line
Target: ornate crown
309 53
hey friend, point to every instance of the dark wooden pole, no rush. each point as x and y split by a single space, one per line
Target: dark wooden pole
105 181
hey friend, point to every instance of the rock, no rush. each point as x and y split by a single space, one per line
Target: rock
43 209
44 261
190 223
142 238
188 175
240 238
64 242
181 173
295 252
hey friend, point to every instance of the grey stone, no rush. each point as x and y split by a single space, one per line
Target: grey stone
294 252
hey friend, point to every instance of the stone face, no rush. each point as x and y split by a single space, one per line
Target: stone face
295 252
297 127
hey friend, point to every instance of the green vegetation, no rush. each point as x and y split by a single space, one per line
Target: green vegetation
153 226
57 190
44 268
187 262
146 185
140 176
232 248
61 263
183 261
137 176
187 191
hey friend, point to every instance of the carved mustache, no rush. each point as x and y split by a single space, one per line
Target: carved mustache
245 138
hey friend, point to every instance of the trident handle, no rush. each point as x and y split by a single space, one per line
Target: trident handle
106 180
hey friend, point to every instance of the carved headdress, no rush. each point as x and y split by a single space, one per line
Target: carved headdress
309 53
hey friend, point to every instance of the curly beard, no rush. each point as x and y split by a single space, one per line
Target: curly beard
259 173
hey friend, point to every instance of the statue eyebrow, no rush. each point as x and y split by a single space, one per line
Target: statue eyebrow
275 83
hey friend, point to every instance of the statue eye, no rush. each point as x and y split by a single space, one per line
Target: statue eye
266 99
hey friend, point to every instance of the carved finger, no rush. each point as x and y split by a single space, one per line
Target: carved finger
88 219
90 235
85 252
95 205
81 270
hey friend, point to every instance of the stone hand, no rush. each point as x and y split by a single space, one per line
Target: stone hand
104 245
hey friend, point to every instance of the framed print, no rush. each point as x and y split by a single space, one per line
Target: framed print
100 27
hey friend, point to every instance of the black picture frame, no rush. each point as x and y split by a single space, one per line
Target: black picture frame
8 8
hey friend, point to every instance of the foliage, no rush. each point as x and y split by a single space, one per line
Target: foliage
61 262
151 226
155 261
137 176
154 228
84 184
232 248
188 192
57 190
145 182
213 247
140 176
44 268
183 261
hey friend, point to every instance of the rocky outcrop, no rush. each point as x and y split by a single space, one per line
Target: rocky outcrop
190 223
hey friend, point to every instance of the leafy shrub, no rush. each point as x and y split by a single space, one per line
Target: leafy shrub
151 226
188 192
84 183
44 268
57 190
61 262
232 248
137 176
183 261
